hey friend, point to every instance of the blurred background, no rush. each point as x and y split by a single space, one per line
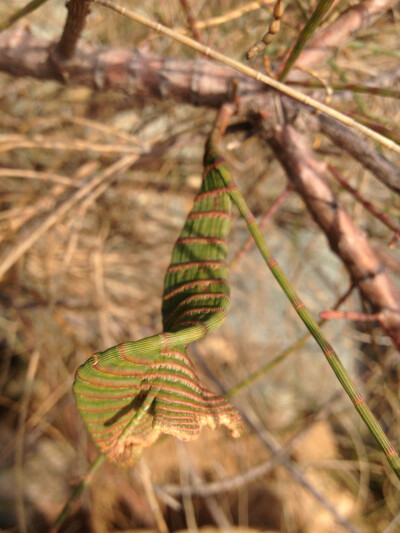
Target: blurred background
91 276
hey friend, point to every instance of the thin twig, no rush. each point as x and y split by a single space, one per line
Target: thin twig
306 173
383 169
19 453
151 497
28 8
383 217
191 20
227 16
251 73
77 492
184 479
10 258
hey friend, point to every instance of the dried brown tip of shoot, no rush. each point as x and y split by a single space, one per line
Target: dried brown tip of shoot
268 37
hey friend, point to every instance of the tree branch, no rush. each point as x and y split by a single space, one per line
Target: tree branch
307 174
199 81
78 10
385 171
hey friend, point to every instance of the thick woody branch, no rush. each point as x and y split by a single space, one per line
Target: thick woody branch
200 82
384 170
307 175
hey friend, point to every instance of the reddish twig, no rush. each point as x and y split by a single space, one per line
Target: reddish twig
268 215
349 315
191 20
307 175
383 217
360 317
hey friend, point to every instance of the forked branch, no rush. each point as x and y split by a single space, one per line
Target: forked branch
307 175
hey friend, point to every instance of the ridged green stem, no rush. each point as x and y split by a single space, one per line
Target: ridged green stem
312 24
331 356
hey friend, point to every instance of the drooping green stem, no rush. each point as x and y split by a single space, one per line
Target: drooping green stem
305 315
330 354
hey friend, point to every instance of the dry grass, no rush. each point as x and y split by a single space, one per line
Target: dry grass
91 275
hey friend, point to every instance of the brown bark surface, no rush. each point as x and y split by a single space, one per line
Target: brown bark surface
308 176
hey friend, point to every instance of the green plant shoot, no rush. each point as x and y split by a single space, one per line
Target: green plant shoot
134 391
